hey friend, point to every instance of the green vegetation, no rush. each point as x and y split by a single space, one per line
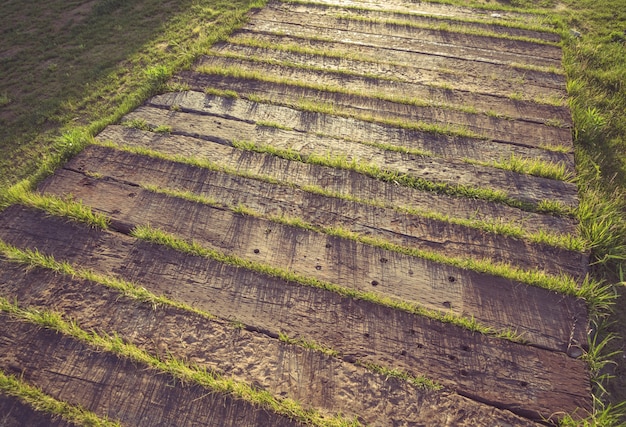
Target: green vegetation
39 401
91 76
177 368
375 171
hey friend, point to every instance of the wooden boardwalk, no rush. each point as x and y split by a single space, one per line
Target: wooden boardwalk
349 227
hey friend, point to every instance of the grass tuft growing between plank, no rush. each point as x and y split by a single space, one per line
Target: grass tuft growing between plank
376 172
41 402
177 368
63 207
160 237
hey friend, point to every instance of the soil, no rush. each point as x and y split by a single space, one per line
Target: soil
349 292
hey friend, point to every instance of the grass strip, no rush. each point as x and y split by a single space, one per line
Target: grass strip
566 241
554 100
63 207
177 368
34 259
374 171
522 25
561 283
41 402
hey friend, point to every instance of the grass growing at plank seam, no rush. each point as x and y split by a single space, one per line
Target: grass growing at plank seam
33 259
563 284
177 368
567 241
375 171
41 402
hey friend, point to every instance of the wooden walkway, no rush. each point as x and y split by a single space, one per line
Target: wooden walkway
341 186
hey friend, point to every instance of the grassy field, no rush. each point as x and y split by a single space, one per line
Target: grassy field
72 68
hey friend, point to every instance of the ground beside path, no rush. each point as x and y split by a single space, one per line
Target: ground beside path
362 212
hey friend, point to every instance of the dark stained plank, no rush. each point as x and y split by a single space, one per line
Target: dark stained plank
117 388
344 262
341 181
526 380
326 383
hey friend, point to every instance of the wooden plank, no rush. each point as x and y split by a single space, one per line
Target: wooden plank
277 200
454 79
472 71
318 381
114 387
433 43
323 18
523 379
364 131
525 188
341 181
444 10
280 96
545 136
15 413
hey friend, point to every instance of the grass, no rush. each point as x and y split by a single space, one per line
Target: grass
406 180
13 386
496 226
179 369
92 76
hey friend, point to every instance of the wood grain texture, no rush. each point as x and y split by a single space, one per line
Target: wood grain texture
117 388
525 188
542 317
341 181
318 381
526 380
543 136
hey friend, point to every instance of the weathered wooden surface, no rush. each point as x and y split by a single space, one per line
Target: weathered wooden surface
525 188
117 388
313 378
474 46
373 74
341 181
521 378
402 90
323 257
354 130
271 200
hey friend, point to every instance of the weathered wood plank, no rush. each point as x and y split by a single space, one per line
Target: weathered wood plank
310 377
364 131
472 71
438 144
277 200
455 79
120 389
322 18
347 263
15 413
521 378
341 181
525 188
546 136
448 11
436 44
